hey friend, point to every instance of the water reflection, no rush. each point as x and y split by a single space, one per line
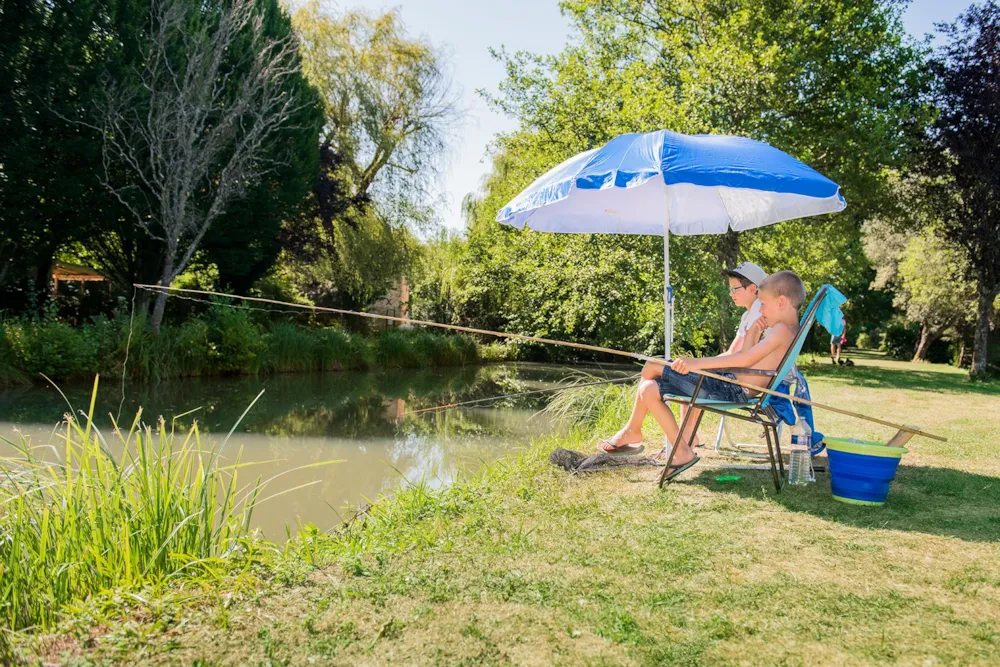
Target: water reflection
310 418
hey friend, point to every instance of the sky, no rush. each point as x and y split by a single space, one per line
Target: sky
466 29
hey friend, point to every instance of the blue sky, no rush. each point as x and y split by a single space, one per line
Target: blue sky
465 29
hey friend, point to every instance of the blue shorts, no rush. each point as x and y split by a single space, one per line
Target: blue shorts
676 384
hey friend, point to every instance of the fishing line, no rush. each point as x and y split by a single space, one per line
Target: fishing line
128 345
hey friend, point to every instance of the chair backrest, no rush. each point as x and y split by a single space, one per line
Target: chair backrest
805 324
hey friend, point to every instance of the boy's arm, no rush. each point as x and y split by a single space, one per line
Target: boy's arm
737 344
780 335
754 332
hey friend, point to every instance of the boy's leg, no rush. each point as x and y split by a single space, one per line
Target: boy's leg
648 400
631 433
653 371
649 395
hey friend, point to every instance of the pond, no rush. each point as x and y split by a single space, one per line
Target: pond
303 419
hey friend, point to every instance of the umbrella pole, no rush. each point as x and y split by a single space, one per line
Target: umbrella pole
668 290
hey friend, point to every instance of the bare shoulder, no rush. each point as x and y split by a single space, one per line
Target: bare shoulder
784 331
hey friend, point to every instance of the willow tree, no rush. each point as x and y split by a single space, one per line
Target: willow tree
388 106
187 131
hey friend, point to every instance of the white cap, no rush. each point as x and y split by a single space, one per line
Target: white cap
747 270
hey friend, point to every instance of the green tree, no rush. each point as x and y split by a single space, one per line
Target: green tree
192 130
966 189
388 106
933 288
53 57
845 99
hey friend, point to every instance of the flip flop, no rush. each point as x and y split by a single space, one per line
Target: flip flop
622 450
681 468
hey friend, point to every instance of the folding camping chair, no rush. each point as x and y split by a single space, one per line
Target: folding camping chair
756 409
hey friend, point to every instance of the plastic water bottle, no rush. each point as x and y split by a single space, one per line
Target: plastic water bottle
800 469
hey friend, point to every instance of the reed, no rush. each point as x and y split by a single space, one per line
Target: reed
78 519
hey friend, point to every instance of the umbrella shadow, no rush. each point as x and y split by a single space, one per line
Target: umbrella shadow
936 501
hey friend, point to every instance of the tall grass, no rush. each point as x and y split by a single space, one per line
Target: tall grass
220 341
77 520
595 408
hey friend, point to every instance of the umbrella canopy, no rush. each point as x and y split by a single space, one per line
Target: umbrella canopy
703 184
663 182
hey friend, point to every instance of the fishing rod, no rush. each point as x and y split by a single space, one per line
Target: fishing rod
548 341
448 406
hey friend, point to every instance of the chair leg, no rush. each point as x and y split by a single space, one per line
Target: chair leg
777 449
774 465
673 449
775 454
722 430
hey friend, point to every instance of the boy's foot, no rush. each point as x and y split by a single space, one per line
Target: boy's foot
676 467
621 443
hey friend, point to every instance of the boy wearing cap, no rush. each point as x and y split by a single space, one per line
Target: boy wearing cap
744 280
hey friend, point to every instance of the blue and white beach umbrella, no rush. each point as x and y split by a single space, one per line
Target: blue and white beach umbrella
663 182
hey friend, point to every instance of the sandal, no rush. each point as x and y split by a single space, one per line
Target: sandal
605 446
678 469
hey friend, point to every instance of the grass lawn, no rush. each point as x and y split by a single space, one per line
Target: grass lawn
524 564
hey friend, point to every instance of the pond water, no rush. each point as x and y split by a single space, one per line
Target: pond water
309 418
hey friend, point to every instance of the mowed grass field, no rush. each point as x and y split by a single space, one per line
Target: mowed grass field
525 564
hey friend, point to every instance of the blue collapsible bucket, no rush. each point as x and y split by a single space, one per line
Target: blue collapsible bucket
861 470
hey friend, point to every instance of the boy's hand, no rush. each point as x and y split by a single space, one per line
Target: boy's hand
681 366
756 329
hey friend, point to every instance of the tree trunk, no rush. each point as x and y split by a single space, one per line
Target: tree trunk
727 250
43 276
981 337
160 305
927 336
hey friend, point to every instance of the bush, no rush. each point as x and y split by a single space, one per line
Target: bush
47 346
941 352
235 343
221 340
900 341
866 341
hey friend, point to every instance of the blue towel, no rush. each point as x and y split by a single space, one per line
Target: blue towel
829 314
786 413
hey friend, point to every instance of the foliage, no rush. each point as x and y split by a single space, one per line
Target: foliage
220 341
967 164
934 289
387 106
193 126
52 58
756 68
165 510
865 341
900 340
